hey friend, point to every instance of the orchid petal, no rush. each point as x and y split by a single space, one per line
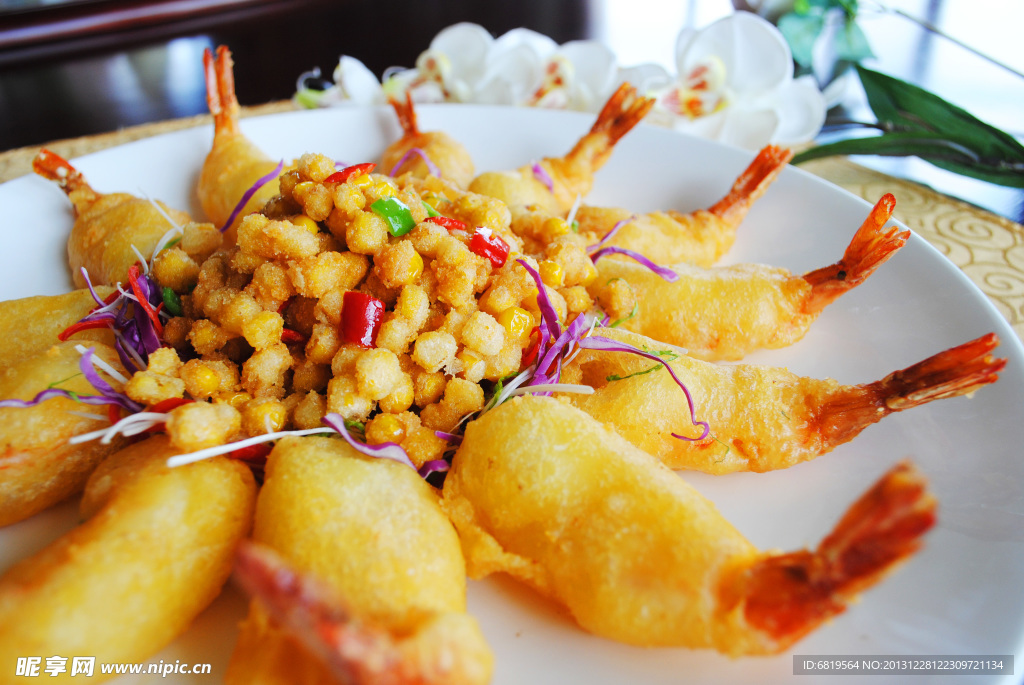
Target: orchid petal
801 109
541 45
466 46
594 65
750 129
356 82
756 56
644 77
511 77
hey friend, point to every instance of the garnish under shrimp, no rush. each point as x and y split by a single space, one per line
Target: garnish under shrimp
698 238
572 509
724 313
553 184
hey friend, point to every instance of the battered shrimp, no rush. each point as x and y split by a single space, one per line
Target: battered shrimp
38 467
155 550
698 238
572 175
107 226
234 164
724 313
406 156
30 325
575 511
372 533
761 418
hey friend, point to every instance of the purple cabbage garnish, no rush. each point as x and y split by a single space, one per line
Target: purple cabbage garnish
433 466
610 234
431 167
107 394
247 195
385 450
542 175
666 273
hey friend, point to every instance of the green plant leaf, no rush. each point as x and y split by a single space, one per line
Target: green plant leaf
903 106
801 32
934 148
851 43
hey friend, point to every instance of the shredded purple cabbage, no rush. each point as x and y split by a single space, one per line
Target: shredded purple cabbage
453 438
431 167
610 234
549 325
666 273
385 450
542 175
595 342
262 181
107 394
433 466
135 336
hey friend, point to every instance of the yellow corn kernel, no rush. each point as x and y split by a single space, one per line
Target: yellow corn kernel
590 276
206 381
238 399
516 320
384 189
414 269
552 273
554 227
361 181
306 223
384 428
302 188
264 415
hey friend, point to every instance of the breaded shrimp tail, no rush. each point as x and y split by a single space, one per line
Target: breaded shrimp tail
752 183
957 371
220 90
786 596
354 651
406 113
55 168
870 248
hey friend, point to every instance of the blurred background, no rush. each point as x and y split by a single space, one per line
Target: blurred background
77 67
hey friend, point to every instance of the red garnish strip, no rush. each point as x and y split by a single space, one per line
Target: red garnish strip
350 171
486 244
290 336
448 222
164 406
143 301
361 317
84 326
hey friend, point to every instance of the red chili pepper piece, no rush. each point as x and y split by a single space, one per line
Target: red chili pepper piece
133 279
83 326
531 352
164 406
350 171
361 316
290 336
113 413
448 222
490 246
252 453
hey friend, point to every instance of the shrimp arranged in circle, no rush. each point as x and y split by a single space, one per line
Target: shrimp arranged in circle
572 509
553 184
111 230
698 238
423 154
761 418
234 165
724 313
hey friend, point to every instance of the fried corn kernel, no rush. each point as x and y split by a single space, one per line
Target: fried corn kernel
428 388
270 285
206 378
423 445
315 166
305 222
398 264
263 415
207 337
366 234
237 399
263 374
288 180
577 300
260 236
472 363
326 271
414 305
377 373
200 240
323 344
516 321
147 387
344 360
483 334
174 269
572 257
554 227
309 375
552 273
309 411
164 361
400 398
384 428
361 181
396 334
316 200
434 350
263 330
343 398
198 425
617 299
176 332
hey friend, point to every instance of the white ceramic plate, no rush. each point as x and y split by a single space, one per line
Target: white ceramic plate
961 595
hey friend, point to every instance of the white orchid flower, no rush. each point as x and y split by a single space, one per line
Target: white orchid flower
736 84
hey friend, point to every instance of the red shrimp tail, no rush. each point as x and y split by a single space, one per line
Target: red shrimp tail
406 113
55 168
752 183
872 246
957 371
623 110
220 90
355 651
786 596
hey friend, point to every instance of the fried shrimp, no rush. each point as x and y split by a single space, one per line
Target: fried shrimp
423 154
724 313
155 550
698 238
31 325
575 511
110 230
234 164
761 418
553 184
372 535
39 466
